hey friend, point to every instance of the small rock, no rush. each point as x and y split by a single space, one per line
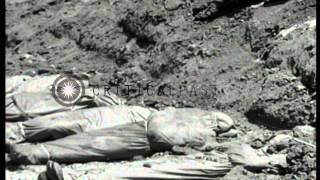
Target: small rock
222 71
201 66
172 4
74 69
305 132
147 165
256 144
300 87
43 71
30 62
59 67
243 78
313 175
211 52
280 138
27 56
31 73
40 58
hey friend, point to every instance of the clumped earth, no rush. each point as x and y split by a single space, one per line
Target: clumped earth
253 61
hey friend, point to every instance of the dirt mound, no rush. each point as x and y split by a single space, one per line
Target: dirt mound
287 97
283 103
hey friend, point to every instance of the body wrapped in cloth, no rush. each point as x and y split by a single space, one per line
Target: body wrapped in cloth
23 106
29 97
165 129
116 143
59 125
190 127
22 84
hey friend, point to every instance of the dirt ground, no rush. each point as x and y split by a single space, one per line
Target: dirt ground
253 61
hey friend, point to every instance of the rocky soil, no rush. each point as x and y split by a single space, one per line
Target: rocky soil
252 60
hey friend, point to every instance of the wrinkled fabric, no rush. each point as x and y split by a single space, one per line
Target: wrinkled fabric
58 125
23 106
181 169
181 127
116 143
189 169
13 82
32 84
164 129
28 97
21 175
163 168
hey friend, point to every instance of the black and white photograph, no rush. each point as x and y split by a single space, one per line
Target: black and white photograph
160 90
